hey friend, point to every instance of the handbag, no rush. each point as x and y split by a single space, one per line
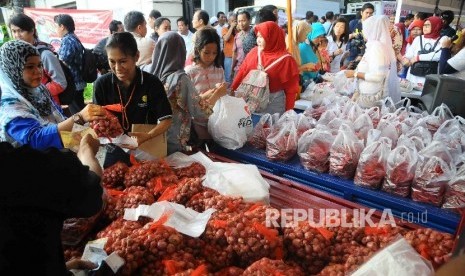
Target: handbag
425 67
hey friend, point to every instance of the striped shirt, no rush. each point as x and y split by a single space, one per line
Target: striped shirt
205 78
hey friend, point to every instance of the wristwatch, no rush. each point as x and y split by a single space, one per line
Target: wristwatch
77 118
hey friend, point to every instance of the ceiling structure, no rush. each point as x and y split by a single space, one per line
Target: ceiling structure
429 5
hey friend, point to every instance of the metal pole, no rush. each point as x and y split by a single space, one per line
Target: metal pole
436 9
289 27
460 14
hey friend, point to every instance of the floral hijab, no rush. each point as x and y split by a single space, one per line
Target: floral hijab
13 57
18 100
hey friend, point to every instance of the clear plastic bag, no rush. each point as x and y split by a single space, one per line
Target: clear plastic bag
345 153
432 174
455 194
313 149
362 125
400 170
261 130
371 167
281 143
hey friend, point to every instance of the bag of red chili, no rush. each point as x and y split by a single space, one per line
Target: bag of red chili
455 195
109 127
432 174
313 149
371 168
345 153
261 131
281 143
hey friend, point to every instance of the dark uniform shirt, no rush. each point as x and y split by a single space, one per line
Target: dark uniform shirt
356 45
448 31
45 188
147 105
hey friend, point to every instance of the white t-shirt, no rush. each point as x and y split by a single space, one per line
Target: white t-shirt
219 30
333 46
188 41
412 51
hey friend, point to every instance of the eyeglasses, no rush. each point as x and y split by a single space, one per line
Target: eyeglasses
426 25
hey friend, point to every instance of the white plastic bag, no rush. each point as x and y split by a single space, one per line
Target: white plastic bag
397 259
185 220
230 123
237 180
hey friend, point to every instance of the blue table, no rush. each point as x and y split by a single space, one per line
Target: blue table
403 208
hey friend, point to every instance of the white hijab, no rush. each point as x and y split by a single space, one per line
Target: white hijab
376 31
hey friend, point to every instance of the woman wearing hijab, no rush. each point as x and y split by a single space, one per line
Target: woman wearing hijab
415 29
299 34
376 74
311 58
28 115
283 77
186 103
430 42
23 27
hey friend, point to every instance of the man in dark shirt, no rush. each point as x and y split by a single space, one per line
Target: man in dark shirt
115 26
356 45
447 18
47 187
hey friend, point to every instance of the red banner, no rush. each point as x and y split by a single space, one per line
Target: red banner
91 25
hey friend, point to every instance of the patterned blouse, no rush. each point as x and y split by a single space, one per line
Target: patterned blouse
397 41
186 105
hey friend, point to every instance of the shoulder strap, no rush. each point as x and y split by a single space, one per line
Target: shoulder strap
276 61
421 42
436 43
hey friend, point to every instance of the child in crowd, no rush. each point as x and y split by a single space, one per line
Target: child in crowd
206 73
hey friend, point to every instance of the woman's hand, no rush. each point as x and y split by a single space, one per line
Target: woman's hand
446 43
80 264
92 112
349 73
311 67
338 52
90 142
141 137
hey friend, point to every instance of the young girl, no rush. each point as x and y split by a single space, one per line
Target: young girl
140 94
206 73
168 65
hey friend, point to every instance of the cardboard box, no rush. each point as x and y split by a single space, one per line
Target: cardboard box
157 146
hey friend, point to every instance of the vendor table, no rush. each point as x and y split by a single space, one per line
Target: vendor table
404 208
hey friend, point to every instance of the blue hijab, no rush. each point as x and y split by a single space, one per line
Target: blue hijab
307 55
